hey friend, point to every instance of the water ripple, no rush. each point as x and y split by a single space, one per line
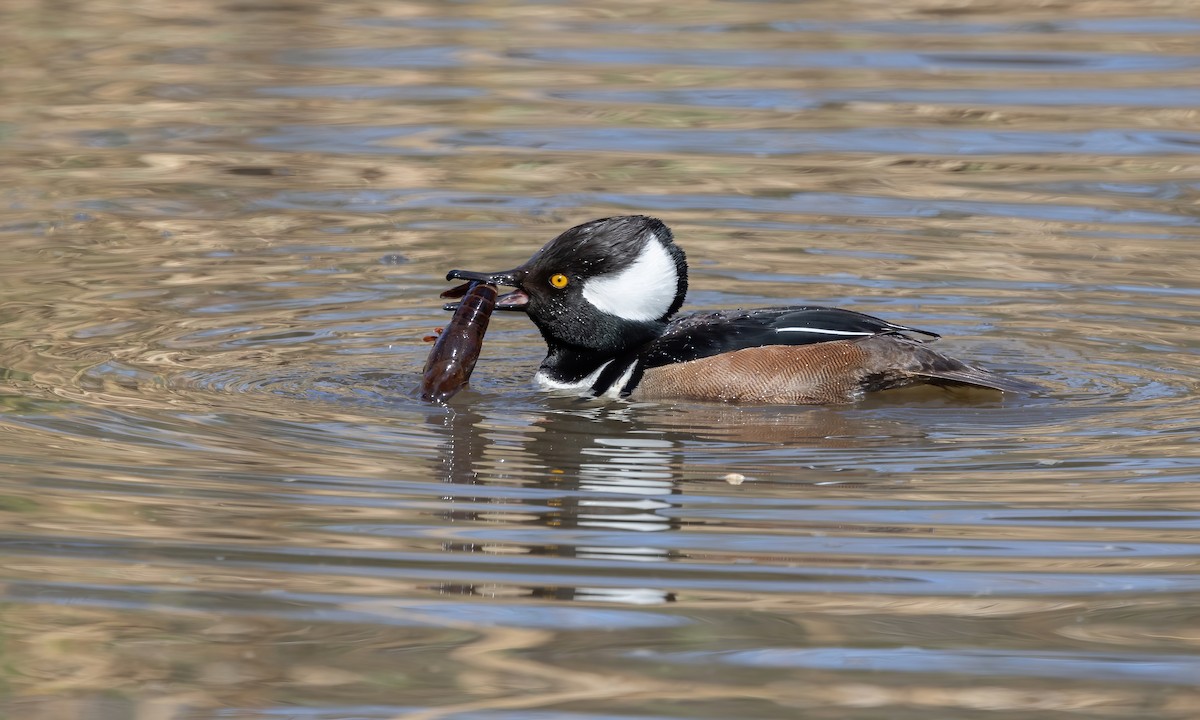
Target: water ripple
883 60
1165 669
226 227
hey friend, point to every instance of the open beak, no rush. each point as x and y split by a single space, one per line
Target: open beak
516 300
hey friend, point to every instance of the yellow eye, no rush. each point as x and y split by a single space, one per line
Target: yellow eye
559 280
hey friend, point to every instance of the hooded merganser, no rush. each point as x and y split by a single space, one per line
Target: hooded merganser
603 294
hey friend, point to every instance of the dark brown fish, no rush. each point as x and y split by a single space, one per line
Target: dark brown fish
457 348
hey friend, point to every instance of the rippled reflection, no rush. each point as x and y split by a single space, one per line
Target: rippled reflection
225 229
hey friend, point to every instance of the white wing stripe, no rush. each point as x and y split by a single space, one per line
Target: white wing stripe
822 331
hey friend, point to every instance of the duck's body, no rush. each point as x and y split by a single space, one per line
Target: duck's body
603 295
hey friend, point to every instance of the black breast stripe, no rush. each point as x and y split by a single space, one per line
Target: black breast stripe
634 378
613 372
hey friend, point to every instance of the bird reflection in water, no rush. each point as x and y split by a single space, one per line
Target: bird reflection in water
610 471
608 477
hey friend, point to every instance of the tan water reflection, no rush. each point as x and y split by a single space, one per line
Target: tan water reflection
225 227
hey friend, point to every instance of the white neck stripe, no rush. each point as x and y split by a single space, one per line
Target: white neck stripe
544 382
583 386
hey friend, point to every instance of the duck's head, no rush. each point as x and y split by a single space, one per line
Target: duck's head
606 285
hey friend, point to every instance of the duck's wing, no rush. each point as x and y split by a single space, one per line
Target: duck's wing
706 334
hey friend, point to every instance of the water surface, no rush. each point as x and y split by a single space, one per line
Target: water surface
224 231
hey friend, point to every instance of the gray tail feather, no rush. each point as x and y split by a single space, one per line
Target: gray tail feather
899 362
976 377
942 370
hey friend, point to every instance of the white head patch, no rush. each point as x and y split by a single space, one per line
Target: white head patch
643 291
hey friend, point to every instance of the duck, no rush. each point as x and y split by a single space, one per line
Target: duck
605 294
